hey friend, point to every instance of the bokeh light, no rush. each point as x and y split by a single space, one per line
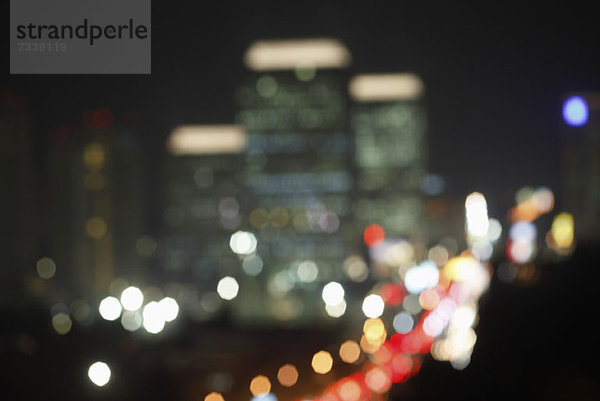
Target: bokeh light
322 362
373 306
307 271
110 308
214 396
46 268
62 323
228 288
132 298
378 379
260 385
336 311
243 243
374 329
373 235
287 375
403 322
563 230
131 321
349 390
421 277
333 293
153 318
575 111
170 308
96 227
349 351
99 373
476 215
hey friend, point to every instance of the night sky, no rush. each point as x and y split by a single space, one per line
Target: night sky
495 75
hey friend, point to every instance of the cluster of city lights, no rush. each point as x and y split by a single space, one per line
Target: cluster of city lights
524 244
428 308
417 307
134 314
420 307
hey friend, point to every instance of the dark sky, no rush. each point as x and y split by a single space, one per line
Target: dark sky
495 73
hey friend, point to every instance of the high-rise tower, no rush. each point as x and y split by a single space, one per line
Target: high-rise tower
293 104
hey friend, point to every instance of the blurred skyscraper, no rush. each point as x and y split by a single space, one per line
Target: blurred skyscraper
94 206
581 163
281 201
203 196
293 104
389 128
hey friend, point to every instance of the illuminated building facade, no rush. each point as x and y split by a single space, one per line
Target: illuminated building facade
293 104
203 197
388 125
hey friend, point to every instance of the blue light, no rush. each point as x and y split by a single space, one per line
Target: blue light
575 111
265 397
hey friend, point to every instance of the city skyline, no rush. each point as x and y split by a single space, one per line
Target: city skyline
526 67
312 201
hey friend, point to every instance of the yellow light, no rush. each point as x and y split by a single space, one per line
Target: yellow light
293 54
563 230
279 217
386 87
322 362
287 375
373 329
349 351
94 181
214 396
62 323
259 218
94 156
260 385
461 268
206 139
370 347
96 227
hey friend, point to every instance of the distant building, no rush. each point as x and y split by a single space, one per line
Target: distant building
94 208
581 163
293 103
389 124
202 198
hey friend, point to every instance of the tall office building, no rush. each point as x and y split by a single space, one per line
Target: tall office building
581 163
388 124
203 200
94 207
293 104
